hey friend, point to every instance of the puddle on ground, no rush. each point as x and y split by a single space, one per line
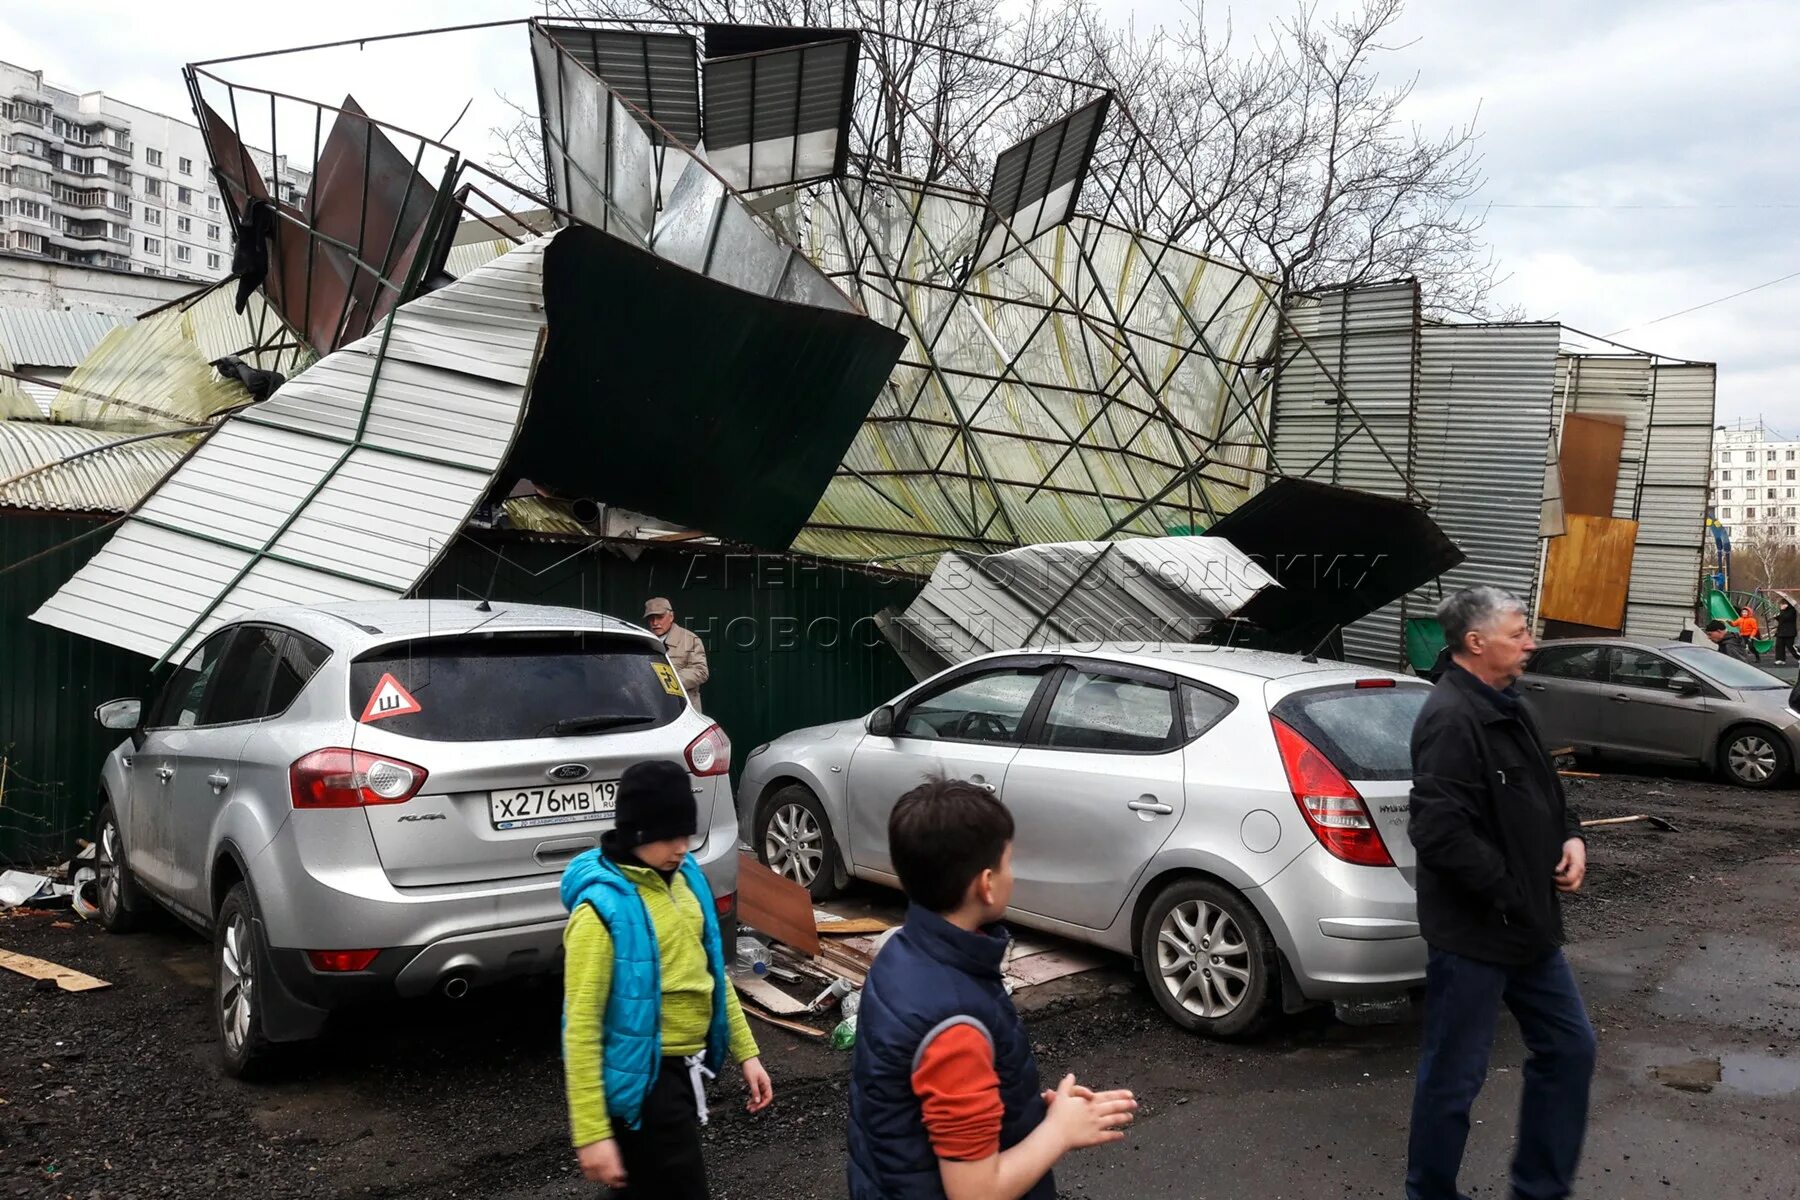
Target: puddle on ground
1749 1074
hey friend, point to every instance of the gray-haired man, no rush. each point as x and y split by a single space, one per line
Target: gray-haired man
687 653
1496 842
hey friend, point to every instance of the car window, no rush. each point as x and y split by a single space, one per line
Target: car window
179 706
243 676
1567 662
1366 732
299 660
1642 669
515 686
1096 711
1202 709
1723 669
986 708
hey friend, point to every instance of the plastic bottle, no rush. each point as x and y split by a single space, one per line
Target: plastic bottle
752 956
844 1036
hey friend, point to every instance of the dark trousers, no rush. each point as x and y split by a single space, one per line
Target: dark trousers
1462 1006
662 1155
1750 645
1784 649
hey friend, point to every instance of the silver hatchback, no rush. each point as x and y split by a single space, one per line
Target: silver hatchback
1235 820
380 798
1665 702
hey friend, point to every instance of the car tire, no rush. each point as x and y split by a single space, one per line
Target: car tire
120 902
793 839
237 986
1209 960
1754 756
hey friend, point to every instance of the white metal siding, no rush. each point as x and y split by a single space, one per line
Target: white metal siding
1671 501
287 504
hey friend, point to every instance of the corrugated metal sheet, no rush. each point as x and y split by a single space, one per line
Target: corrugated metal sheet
658 72
1481 443
1171 589
1671 500
156 373
53 337
111 480
346 485
14 402
1366 340
1044 399
50 682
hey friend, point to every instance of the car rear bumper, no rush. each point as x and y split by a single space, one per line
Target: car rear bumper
1346 931
427 936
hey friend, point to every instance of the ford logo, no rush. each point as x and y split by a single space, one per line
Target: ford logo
568 771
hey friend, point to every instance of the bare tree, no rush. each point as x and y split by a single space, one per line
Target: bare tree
1290 154
1766 555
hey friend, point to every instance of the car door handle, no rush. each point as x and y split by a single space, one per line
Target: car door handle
1621 698
1149 804
165 773
126 762
218 781
1536 687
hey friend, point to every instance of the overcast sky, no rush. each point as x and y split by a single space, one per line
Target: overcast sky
1642 156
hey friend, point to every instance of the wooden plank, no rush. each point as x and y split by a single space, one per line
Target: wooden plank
1051 964
1587 572
778 907
67 979
769 996
790 1026
1589 461
850 926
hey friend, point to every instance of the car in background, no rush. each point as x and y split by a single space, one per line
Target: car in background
1664 702
366 799
1235 820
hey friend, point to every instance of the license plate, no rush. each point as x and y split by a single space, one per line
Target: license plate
521 808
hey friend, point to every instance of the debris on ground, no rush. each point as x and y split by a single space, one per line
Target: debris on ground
37 891
66 978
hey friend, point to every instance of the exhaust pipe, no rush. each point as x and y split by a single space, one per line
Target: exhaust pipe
456 987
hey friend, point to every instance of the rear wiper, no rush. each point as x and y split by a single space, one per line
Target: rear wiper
599 721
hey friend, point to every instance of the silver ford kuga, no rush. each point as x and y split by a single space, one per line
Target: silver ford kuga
380 798
1235 820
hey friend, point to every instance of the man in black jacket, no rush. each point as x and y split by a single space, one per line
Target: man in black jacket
1729 641
1496 841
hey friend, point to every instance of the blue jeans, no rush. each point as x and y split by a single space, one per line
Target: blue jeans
1462 1005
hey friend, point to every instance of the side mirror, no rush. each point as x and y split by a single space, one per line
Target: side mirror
881 721
120 714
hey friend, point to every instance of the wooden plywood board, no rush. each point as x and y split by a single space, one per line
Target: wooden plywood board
1587 572
778 907
853 926
1589 461
1051 964
769 996
36 968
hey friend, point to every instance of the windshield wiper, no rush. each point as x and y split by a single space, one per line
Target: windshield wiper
596 722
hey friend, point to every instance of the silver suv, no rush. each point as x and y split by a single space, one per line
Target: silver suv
380 798
1234 820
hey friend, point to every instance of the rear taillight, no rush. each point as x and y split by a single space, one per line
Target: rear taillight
710 753
338 778
341 960
1334 810
725 904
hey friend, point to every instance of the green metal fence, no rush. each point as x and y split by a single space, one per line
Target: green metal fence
791 643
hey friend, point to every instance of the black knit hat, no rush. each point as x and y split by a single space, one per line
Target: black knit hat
655 802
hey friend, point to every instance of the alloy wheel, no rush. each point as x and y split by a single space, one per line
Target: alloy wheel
794 845
1203 959
237 982
1751 758
106 870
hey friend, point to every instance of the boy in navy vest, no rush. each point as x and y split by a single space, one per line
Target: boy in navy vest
944 1099
648 1014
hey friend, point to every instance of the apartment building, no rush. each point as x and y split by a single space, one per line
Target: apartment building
89 179
1756 483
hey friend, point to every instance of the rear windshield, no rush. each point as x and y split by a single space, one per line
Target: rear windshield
513 686
1365 732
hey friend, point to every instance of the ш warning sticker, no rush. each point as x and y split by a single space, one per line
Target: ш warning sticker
389 700
670 681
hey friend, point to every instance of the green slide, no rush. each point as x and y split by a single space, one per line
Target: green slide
1720 608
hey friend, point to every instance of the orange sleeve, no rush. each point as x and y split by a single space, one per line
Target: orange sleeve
959 1093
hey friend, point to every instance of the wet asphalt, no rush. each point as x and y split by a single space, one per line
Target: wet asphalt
1687 946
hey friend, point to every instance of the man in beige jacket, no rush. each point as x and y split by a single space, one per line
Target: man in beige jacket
687 654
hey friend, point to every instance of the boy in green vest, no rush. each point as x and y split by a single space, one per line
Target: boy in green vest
648 1013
